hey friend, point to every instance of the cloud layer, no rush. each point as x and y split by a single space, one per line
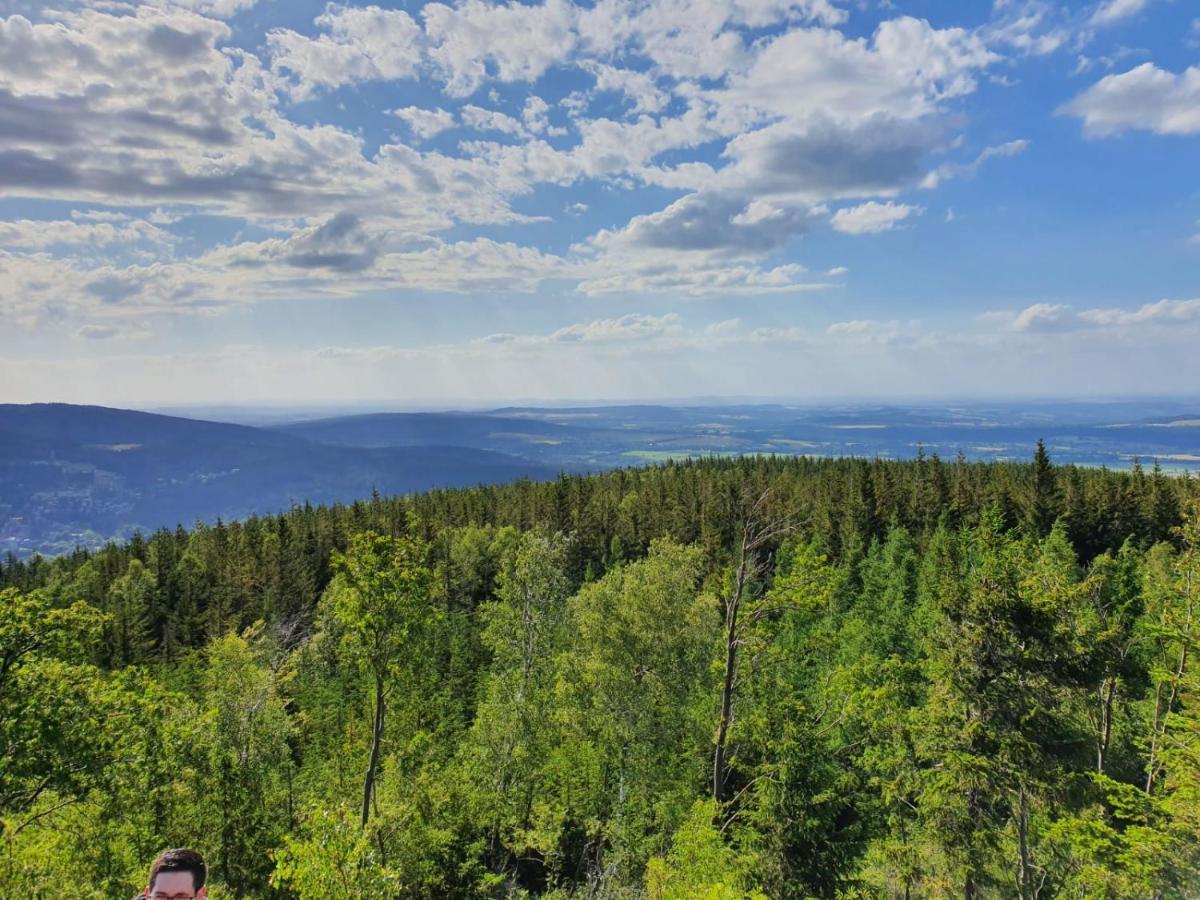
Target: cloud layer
176 159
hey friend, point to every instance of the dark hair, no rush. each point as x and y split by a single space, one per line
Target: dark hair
181 860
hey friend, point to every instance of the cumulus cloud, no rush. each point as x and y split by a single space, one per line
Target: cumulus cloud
358 44
724 327
1044 317
628 328
872 217
217 9
704 280
160 105
1112 11
905 70
98 332
30 234
1163 312
640 89
520 42
491 120
340 244
425 123
1146 98
723 225
1031 27
822 160
1057 317
146 108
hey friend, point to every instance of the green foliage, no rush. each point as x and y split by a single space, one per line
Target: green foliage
945 680
245 769
634 695
331 857
700 864
381 600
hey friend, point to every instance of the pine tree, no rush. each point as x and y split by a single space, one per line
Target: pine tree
1042 503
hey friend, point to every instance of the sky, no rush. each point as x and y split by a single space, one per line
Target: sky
270 202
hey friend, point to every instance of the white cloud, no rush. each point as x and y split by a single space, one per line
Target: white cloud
632 327
536 114
220 9
1057 317
640 88
872 217
126 331
701 280
904 71
648 357
856 326
156 106
724 327
29 234
491 120
425 123
822 160
1162 312
709 224
1043 317
1145 98
867 331
1112 11
946 171
98 332
146 108
627 329
1032 27
520 42
359 44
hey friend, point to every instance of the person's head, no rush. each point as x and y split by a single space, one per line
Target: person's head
178 875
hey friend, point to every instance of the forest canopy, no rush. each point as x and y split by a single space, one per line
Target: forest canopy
763 677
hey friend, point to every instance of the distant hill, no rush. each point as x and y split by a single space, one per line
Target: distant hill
83 474
73 474
599 437
424 429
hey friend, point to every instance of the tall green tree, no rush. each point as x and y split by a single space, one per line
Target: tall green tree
635 693
1042 500
515 732
382 601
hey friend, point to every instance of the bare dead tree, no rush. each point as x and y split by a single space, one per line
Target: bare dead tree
759 532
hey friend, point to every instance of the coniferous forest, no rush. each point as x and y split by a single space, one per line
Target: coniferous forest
762 677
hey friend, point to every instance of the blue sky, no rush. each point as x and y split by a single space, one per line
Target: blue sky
258 201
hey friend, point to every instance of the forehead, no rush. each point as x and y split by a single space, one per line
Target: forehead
173 882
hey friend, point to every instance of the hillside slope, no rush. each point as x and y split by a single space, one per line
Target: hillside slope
82 474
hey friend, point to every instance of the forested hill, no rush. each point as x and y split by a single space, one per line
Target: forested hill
781 677
79 475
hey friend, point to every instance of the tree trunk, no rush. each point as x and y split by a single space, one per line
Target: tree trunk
376 740
1160 722
731 638
1108 693
718 784
1025 872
